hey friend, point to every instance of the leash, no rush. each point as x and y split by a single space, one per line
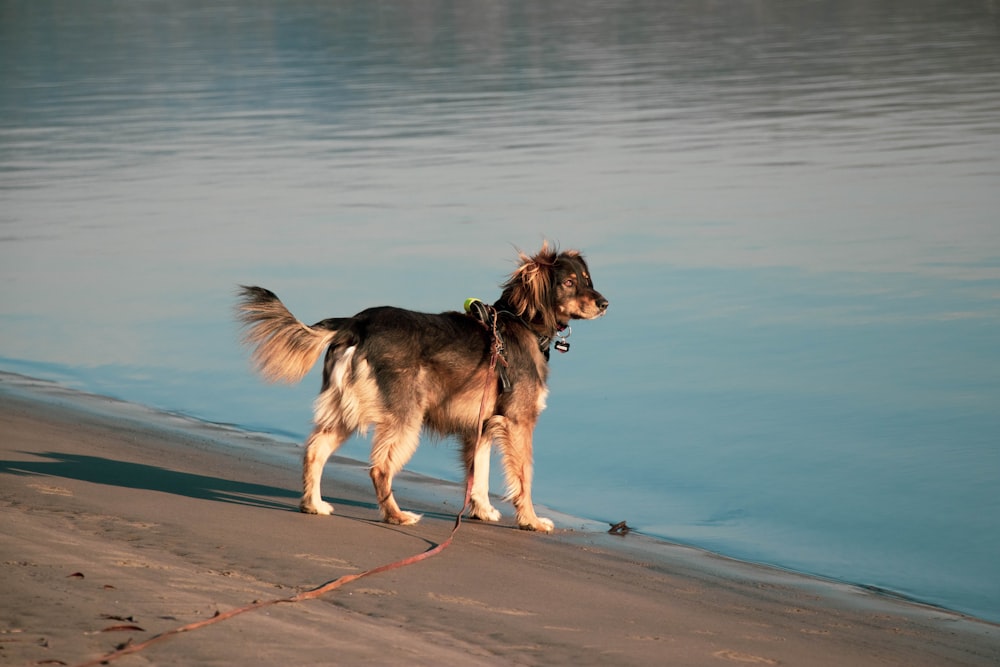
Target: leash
319 591
311 594
496 357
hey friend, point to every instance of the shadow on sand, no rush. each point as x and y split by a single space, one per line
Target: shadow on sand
128 475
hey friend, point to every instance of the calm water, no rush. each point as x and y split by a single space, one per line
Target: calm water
792 207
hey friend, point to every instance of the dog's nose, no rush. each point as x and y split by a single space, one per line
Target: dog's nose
603 304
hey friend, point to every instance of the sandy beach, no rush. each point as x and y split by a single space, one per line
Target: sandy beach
117 528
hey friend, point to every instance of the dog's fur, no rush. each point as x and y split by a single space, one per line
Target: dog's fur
399 370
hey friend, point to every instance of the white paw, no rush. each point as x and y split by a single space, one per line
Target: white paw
540 525
323 508
484 512
404 518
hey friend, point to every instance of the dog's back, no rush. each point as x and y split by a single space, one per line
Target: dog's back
431 366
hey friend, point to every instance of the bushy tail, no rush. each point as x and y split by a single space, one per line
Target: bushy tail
284 349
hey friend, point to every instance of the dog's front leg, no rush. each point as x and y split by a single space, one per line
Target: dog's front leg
515 440
477 463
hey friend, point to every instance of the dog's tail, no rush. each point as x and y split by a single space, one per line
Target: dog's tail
284 349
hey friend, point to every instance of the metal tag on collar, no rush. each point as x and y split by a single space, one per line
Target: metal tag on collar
562 345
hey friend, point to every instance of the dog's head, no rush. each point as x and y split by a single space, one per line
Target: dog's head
552 288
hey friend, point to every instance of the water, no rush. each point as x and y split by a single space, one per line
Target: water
792 207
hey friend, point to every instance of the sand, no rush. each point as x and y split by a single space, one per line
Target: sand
118 526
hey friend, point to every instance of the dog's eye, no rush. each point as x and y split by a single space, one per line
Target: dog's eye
568 282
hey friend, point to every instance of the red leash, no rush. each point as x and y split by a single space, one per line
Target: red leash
305 595
329 586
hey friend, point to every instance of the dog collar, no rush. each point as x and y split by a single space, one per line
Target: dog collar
489 315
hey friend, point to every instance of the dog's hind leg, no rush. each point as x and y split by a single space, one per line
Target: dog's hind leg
392 446
477 455
321 444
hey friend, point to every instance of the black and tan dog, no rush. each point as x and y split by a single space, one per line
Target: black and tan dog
398 371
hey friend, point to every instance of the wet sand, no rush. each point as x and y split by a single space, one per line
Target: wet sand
118 526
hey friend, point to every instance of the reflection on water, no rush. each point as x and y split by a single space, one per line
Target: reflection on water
791 206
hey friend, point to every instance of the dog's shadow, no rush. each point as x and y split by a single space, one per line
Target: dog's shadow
129 475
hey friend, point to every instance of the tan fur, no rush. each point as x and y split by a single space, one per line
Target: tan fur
349 405
284 349
531 286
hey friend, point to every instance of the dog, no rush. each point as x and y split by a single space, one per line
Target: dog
480 376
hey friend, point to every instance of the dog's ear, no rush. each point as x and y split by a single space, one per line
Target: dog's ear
530 291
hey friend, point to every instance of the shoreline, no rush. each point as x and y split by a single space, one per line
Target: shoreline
170 520
287 451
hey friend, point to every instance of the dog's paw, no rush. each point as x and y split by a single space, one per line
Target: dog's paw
323 508
484 512
540 525
404 518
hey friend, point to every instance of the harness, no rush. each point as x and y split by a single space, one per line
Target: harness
489 316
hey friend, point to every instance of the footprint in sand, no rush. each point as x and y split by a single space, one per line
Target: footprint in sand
329 561
476 603
736 656
374 592
51 490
